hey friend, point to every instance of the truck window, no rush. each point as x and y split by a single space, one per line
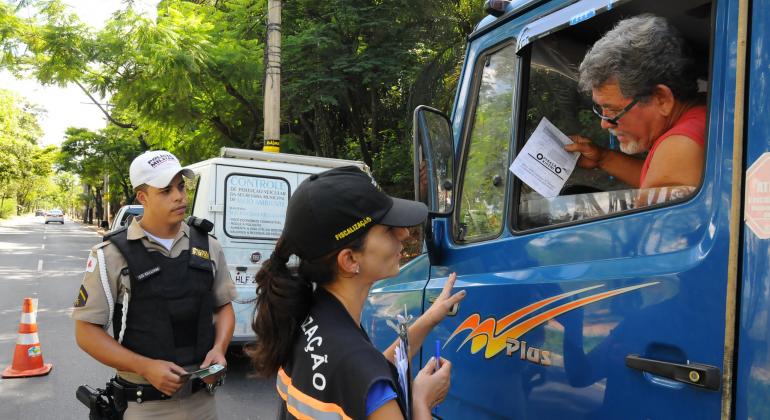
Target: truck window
191 187
550 90
255 206
482 187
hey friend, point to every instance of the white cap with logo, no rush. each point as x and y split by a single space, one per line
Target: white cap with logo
156 168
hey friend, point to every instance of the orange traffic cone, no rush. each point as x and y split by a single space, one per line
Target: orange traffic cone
27 358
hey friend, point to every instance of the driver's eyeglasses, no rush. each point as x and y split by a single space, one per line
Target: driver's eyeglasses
614 119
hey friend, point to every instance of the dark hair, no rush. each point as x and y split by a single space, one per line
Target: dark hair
283 301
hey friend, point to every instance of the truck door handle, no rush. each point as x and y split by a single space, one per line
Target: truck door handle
702 376
452 310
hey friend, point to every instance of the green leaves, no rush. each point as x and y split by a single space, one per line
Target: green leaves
191 80
24 166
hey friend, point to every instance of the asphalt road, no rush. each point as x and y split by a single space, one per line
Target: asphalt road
47 262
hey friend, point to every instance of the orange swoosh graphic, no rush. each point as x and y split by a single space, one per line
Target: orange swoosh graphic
496 341
515 316
474 321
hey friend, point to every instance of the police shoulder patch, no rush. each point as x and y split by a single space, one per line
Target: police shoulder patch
91 264
82 298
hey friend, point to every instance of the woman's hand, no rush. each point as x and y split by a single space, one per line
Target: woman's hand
430 388
444 302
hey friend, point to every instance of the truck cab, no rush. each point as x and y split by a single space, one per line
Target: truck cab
607 301
245 194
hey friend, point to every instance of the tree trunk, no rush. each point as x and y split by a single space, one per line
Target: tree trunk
358 128
373 129
310 131
99 204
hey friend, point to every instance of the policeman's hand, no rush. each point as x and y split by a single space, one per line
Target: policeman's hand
213 357
431 386
591 155
163 375
444 302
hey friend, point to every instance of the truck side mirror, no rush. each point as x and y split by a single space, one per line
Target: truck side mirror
433 160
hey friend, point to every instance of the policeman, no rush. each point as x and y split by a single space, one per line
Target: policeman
164 287
347 235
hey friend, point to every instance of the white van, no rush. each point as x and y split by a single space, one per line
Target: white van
245 194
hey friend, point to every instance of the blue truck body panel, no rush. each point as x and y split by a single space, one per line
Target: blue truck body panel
753 373
552 313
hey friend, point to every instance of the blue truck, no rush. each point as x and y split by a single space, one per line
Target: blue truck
609 303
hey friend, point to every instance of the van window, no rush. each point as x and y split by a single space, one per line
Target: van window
255 206
550 90
191 187
482 189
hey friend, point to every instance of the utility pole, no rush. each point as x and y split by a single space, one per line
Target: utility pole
272 106
106 197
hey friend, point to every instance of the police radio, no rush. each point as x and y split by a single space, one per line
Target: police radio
200 223
100 403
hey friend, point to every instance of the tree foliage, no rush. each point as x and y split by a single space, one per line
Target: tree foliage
191 80
100 156
23 164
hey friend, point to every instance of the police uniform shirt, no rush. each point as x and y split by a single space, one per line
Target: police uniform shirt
91 302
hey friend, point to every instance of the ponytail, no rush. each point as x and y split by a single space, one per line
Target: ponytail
283 302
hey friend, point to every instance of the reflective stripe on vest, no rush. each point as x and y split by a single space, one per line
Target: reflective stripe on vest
303 406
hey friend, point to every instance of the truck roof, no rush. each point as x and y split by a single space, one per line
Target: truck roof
278 161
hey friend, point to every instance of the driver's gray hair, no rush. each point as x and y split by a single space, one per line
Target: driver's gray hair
641 52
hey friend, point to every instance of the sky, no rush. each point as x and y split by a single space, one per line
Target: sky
69 106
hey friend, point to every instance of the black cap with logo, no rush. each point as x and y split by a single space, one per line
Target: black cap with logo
331 209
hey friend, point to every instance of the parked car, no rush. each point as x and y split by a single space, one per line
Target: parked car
54 215
39 212
125 214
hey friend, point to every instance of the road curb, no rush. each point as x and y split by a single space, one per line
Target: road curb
96 229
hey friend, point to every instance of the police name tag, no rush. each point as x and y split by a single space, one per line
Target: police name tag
200 253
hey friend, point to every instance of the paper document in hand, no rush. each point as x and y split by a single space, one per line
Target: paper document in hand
543 164
402 366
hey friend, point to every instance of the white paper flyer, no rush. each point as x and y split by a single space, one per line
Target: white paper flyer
543 164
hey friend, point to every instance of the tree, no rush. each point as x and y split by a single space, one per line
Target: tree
22 162
191 80
94 155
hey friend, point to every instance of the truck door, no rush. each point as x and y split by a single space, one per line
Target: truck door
253 206
606 301
753 380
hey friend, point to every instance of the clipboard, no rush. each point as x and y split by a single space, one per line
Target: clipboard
401 357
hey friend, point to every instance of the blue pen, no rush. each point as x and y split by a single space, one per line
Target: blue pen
438 364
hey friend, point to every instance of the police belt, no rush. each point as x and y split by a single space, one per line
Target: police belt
145 392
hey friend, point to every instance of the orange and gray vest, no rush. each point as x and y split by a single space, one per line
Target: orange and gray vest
332 366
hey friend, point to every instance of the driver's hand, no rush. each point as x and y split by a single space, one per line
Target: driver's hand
591 155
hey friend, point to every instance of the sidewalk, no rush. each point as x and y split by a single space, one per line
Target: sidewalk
20 219
15 220
95 228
